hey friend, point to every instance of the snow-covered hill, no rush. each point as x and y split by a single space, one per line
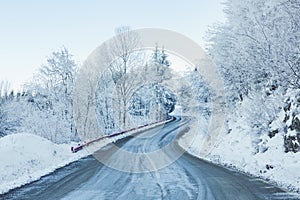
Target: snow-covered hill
26 157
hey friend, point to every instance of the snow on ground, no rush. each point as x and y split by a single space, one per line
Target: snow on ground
273 165
242 149
177 111
27 157
236 151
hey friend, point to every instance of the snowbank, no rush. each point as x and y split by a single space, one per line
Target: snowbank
247 146
27 157
235 151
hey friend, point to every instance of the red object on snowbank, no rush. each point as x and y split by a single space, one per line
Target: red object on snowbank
78 148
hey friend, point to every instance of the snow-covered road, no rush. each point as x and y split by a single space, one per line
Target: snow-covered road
149 165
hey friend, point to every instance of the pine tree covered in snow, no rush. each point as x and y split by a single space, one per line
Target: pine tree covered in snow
158 68
153 100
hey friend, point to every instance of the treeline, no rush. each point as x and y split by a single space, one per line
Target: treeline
130 91
257 51
123 96
44 107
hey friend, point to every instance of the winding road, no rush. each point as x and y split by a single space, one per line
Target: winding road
148 165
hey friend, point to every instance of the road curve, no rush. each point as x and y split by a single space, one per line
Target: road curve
162 170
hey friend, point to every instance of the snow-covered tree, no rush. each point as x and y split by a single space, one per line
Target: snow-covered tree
124 56
50 101
159 66
153 102
7 123
257 51
258 44
4 122
104 103
131 87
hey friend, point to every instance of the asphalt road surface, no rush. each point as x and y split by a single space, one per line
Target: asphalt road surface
149 165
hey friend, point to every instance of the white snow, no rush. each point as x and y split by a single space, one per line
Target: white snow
177 111
245 150
236 151
26 157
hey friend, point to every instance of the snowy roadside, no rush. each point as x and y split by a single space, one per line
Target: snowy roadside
235 151
27 157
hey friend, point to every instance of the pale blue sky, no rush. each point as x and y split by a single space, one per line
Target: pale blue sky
30 30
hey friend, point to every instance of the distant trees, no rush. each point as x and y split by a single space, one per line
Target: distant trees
159 66
4 123
53 90
124 56
130 69
153 100
4 89
7 124
45 108
199 92
108 116
130 91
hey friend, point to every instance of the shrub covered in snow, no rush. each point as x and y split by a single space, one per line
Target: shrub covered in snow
287 122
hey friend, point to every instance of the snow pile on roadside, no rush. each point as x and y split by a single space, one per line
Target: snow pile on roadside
26 157
251 144
236 151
